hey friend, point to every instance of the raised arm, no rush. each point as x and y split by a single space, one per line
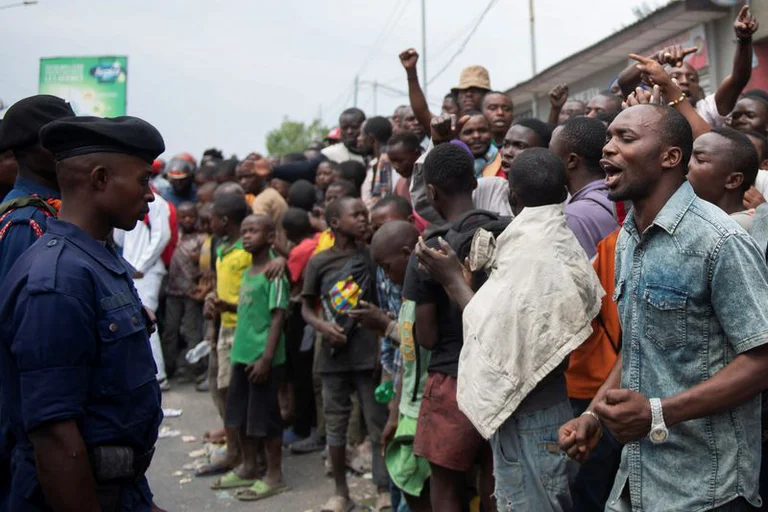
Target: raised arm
408 59
672 55
557 98
728 93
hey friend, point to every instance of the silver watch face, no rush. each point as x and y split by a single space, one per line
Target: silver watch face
659 435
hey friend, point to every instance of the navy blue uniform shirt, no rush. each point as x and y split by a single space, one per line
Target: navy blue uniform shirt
74 346
23 224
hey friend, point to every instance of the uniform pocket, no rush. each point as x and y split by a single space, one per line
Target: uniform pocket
665 314
126 358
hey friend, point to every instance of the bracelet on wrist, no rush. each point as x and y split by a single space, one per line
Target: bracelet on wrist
680 99
594 415
744 40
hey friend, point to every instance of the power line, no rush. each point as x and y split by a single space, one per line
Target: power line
389 25
465 42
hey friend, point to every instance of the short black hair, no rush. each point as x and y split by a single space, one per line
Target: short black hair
230 187
232 206
295 222
743 156
451 169
756 93
541 129
333 210
761 139
353 171
292 157
348 188
607 117
408 139
613 99
379 127
227 167
485 97
401 205
353 111
302 194
586 138
188 205
538 177
214 153
676 131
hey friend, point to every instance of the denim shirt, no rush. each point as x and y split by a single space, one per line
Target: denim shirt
691 292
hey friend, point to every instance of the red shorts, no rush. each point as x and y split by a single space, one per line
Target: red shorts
444 436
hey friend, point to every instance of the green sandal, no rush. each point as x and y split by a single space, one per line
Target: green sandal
232 481
260 490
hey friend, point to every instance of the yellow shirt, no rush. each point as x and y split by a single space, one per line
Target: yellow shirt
231 264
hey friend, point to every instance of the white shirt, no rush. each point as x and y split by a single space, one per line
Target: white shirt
340 153
513 340
707 109
761 182
144 245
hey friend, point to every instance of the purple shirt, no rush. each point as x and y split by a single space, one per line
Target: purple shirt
591 215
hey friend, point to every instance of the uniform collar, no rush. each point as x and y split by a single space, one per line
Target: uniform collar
95 249
671 213
29 187
222 250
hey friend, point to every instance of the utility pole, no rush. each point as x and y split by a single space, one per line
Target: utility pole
533 37
19 4
375 94
424 46
357 84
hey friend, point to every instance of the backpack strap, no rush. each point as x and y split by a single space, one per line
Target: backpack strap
22 202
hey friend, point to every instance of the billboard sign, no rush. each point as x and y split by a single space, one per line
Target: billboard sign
94 86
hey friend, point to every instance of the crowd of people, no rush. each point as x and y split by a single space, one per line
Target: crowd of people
506 313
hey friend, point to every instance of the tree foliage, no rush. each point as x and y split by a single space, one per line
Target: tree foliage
294 136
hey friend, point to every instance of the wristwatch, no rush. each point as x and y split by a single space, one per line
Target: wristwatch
659 433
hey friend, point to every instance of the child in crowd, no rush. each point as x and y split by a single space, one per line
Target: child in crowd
232 261
282 186
258 357
205 285
183 308
391 248
337 279
299 340
324 175
205 193
336 190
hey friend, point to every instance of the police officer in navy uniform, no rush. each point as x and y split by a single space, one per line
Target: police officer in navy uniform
76 369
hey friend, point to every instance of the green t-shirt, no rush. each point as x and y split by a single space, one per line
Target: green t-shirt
258 298
410 405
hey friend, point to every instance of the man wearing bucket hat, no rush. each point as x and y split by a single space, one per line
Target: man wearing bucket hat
474 84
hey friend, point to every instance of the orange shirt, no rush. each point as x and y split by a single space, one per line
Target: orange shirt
591 363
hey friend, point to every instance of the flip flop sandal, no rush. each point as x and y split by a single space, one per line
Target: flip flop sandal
232 481
338 504
260 490
212 470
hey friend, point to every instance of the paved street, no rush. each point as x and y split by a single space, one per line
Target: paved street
176 488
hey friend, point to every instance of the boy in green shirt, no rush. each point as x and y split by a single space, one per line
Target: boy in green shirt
257 358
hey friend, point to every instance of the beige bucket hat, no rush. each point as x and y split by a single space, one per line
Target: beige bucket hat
473 76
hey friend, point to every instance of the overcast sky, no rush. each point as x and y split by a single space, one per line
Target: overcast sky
223 73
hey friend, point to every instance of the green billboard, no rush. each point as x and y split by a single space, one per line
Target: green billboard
94 86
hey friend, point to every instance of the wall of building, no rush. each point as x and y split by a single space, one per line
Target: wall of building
720 48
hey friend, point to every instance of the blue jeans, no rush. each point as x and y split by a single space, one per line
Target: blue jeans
595 479
532 474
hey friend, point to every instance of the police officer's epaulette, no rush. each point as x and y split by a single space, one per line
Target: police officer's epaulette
42 271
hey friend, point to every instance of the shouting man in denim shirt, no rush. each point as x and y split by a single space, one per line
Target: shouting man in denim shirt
691 287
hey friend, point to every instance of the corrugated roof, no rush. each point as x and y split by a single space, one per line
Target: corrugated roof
662 24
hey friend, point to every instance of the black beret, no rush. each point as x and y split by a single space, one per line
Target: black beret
76 136
22 122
